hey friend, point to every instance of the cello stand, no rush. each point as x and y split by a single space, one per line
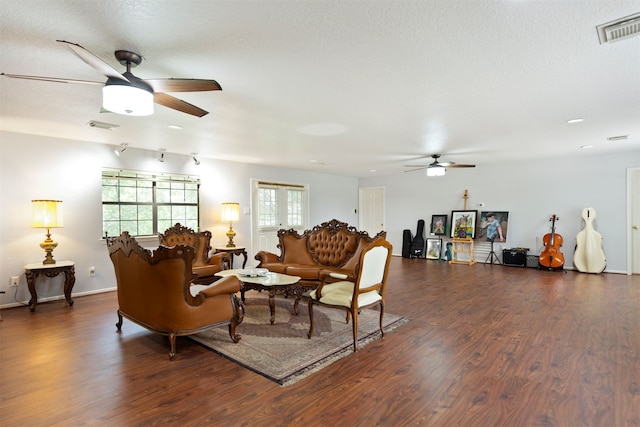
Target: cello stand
491 256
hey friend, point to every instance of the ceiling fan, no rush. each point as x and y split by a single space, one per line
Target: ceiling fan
124 93
437 168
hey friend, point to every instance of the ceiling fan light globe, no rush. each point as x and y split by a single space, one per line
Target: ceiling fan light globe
127 100
436 171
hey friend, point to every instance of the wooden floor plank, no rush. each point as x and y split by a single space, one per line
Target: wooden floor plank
486 345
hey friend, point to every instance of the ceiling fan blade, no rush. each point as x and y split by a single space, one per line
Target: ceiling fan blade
418 168
51 79
178 104
183 85
454 165
93 60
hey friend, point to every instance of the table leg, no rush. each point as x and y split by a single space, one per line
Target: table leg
31 283
244 263
69 281
297 291
272 303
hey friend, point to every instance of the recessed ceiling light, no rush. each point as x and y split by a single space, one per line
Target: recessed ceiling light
578 120
587 146
174 127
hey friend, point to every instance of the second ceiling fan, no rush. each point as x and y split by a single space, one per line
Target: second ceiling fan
437 168
124 93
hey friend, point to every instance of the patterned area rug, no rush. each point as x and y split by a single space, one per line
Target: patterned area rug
282 352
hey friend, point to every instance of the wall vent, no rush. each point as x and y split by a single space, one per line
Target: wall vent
619 29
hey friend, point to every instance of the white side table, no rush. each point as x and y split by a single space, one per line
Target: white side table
32 271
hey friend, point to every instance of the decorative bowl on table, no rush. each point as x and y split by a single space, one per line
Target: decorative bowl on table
252 272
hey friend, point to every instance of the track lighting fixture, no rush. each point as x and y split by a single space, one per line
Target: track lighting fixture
195 160
122 149
162 151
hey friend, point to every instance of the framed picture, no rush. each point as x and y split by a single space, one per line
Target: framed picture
463 224
438 224
493 226
434 248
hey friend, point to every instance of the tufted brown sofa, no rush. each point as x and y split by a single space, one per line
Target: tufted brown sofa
204 266
331 247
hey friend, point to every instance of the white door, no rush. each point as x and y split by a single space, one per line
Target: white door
634 220
371 207
277 206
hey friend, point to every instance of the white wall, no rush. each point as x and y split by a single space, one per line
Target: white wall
34 167
531 192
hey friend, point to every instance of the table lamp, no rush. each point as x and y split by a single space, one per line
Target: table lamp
231 214
47 214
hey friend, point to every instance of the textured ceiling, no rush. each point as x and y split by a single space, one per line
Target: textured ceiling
336 86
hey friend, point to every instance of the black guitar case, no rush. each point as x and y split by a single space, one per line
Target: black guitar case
406 244
417 244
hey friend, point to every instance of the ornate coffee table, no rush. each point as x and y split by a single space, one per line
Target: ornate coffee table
268 282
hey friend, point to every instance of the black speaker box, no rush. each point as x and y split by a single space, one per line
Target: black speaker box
514 257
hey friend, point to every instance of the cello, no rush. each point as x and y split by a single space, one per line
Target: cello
551 258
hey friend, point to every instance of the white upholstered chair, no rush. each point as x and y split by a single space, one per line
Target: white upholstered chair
366 288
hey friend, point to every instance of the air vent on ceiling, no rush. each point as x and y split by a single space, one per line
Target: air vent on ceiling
618 138
101 125
619 29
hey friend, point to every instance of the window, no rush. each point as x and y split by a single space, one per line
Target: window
145 204
276 206
281 205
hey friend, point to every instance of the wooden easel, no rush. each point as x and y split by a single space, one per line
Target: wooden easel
462 246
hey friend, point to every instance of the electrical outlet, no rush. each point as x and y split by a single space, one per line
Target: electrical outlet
92 271
15 280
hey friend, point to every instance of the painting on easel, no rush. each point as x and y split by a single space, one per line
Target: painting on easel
463 224
493 226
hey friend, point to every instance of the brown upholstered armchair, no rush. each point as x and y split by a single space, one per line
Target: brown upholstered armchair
154 291
204 267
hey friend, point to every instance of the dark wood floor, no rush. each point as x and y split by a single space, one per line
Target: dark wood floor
486 346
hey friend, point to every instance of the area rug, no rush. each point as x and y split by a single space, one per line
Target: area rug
282 352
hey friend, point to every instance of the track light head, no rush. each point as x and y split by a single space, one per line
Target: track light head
195 160
123 148
162 151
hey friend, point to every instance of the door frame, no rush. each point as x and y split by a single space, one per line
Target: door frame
254 183
633 189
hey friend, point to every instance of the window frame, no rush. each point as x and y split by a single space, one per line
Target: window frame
186 202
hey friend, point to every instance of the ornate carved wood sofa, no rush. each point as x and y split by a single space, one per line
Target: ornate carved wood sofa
331 247
155 291
204 266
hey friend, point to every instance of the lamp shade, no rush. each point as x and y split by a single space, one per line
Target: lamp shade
231 212
128 100
47 214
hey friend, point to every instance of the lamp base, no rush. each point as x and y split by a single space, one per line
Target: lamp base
48 246
231 234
